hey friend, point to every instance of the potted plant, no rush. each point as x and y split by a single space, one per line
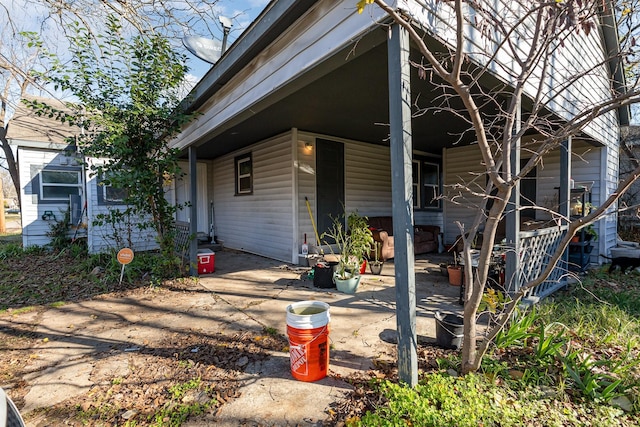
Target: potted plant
455 272
353 243
376 265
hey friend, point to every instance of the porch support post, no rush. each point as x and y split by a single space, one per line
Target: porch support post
565 192
512 219
402 199
193 210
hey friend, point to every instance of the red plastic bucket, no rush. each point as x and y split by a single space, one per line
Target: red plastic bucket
308 332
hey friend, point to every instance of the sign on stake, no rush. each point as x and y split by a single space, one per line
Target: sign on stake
125 256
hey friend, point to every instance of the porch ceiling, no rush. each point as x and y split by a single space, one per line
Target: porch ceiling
349 101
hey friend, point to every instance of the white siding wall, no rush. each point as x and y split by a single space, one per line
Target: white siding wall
367 179
182 188
461 169
101 238
463 163
277 210
30 163
581 55
305 168
261 222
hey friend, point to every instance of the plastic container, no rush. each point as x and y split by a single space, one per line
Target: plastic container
449 330
308 332
323 275
206 261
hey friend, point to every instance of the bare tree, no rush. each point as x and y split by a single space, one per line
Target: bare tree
17 60
533 33
26 26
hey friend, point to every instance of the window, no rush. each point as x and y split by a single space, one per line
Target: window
109 192
244 174
112 194
59 184
426 184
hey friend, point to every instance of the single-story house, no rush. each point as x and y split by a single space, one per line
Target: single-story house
298 109
55 180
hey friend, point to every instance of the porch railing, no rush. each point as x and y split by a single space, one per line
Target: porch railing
537 247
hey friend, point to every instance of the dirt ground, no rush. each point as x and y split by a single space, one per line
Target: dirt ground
187 354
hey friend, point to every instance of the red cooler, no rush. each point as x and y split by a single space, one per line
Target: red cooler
206 261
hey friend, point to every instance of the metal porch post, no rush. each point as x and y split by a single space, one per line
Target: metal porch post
402 199
512 220
193 210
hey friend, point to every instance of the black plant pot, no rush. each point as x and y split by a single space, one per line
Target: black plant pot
375 267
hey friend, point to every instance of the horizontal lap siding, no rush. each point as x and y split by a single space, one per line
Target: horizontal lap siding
306 181
461 166
328 27
261 222
30 162
368 183
580 54
585 168
367 179
101 238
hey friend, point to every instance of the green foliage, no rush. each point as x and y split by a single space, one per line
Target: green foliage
441 400
589 377
354 242
59 232
128 92
176 412
517 331
492 301
10 251
568 343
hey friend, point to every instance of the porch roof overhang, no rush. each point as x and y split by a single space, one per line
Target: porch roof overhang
345 96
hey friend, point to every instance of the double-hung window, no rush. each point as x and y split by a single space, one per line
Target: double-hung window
244 174
427 185
59 184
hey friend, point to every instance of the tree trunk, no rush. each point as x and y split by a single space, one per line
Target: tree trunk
11 163
476 283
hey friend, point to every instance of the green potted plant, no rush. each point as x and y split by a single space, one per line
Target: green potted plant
591 233
353 243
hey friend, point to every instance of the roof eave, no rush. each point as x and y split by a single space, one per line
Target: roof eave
274 19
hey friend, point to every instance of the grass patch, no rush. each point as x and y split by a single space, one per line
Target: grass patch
572 361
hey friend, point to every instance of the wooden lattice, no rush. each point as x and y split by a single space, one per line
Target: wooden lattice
182 239
536 249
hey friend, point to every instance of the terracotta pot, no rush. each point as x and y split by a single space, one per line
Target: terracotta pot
455 275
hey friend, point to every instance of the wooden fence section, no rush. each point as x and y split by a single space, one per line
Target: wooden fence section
536 249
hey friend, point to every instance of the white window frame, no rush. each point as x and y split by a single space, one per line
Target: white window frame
240 176
43 184
419 185
435 187
107 199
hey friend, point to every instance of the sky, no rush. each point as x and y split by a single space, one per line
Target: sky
242 13
27 14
